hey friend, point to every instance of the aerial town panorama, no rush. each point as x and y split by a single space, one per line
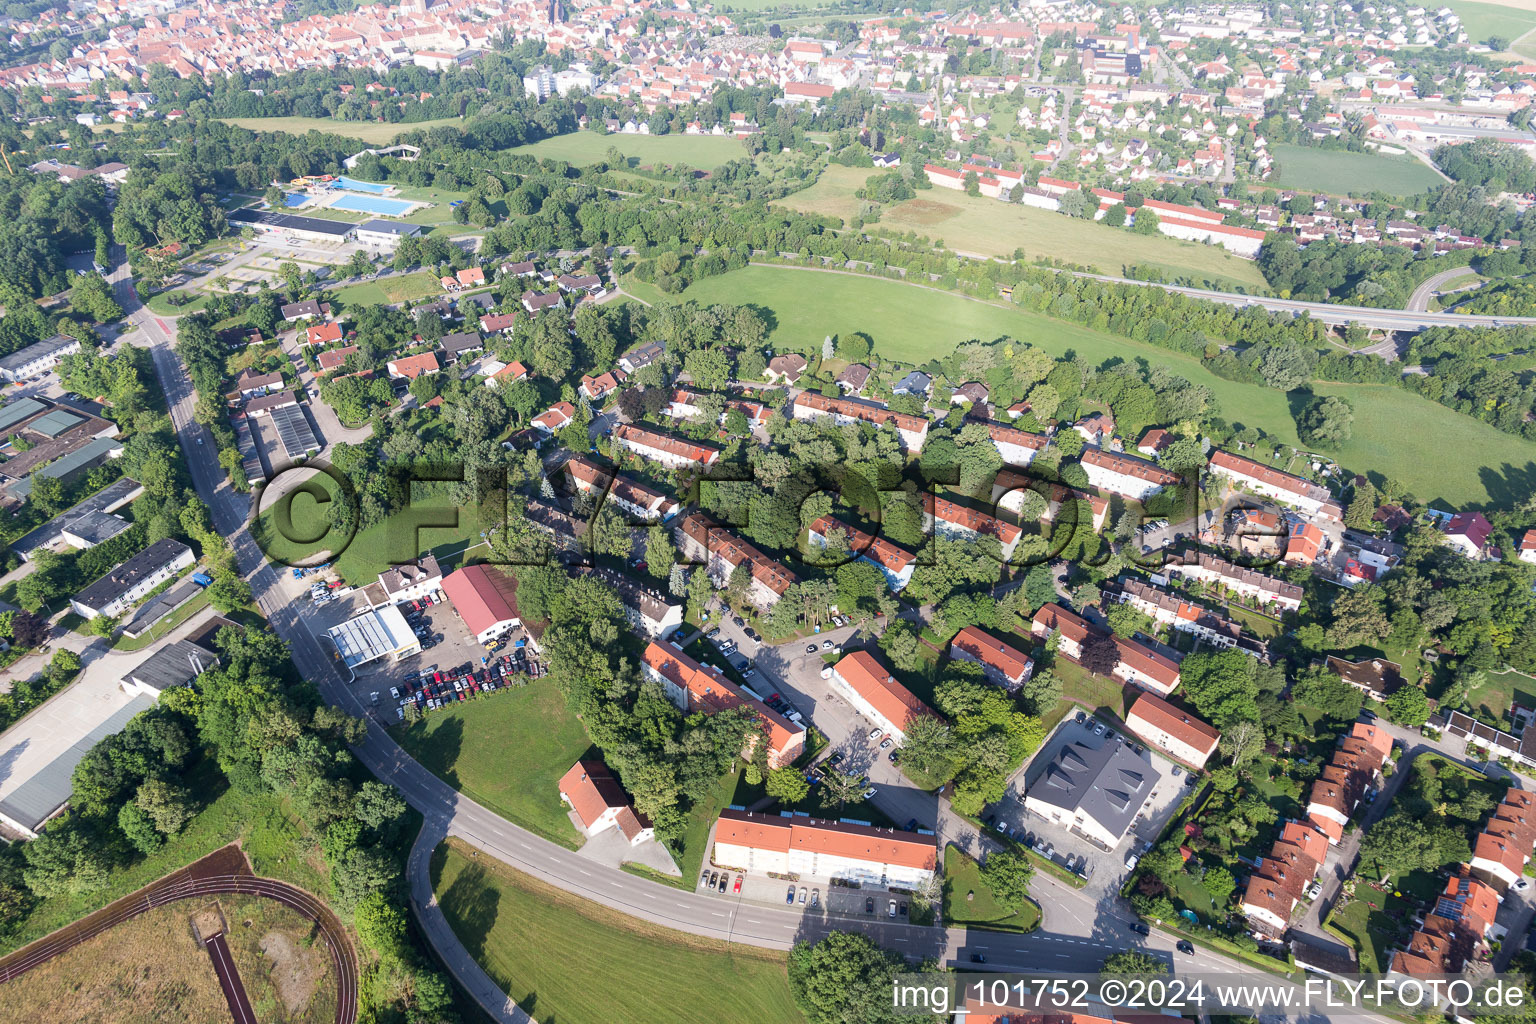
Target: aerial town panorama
767 512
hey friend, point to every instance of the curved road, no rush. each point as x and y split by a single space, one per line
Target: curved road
1079 928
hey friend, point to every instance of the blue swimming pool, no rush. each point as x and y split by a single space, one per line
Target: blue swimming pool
294 200
374 204
353 185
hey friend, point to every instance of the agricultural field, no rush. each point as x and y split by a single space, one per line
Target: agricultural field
910 323
704 152
975 224
563 958
833 193
506 751
1340 172
374 133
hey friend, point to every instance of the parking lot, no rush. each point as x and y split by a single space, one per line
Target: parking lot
816 896
450 668
1071 850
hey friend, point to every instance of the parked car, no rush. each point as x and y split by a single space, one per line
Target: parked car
704 879
802 895
869 794
790 897
874 734
890 910
810 648
887 743
723 878
869 904
737 887
714 878
815 897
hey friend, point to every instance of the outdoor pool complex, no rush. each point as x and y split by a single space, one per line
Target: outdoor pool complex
353 185
374 204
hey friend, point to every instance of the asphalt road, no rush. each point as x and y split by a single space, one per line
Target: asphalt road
1079 929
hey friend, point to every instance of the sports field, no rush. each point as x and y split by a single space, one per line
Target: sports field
975 224
704 152
1340 172
566 959
507 751
372 132
1396 434
832 195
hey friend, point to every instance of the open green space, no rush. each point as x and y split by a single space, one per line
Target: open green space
976 224
126 643
968 899
689 851
703 152
1492 699
565 959
295 530
1341 172
374 133
911 323
390 290
507 751
833 193
1083 689
1485 20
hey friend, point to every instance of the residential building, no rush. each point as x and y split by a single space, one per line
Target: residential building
1016 447
411 581
722 553
1172 730
37 358
810 848
1283 487
129 581
914 383
812 405
1468 533
785 369
1503 848
872 691
411 367
641 356
306 308
1347 779
1168 609
1454 933
456 346
555 418
957 522
1377 678
1278 883
596 387
1275 593
1095 792
1124 475
485 599
641 501
599 802
670 451
695 687
896 564
1137 663
1006 666
649 610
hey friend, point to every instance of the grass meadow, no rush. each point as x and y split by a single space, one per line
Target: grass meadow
1337 171
704 152
374 133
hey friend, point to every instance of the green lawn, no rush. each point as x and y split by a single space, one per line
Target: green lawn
390 290
691 851
506 750
1337 171
1373 923
911 323
1482 20
164 626
704 152
374 133
565 959
832 194
975 224
1499 690
295 531
968 900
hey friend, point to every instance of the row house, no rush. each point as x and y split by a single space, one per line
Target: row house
1272 483
639 500
1348 778
695 687
1004 665
685 406
722 553
666 449
1126 476
1008 494
812 405
1277 884
1247 583
1454 934
895 563
795 846
957 522
1137 663
872 691
1504 846
1168 609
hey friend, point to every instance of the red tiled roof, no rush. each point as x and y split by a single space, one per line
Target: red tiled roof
837 839
482 596
1155 713
591 790
991 651
414 366
876 549
870 680
323 334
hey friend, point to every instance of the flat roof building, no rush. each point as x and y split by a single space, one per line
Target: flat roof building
312 228
376 633
37 358
126 583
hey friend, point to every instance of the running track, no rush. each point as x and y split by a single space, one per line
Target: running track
221 873
229 981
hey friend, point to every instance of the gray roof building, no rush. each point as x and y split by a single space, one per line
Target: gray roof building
914 383
173 665
1107 785
91 528
37 357
132 578
109 499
